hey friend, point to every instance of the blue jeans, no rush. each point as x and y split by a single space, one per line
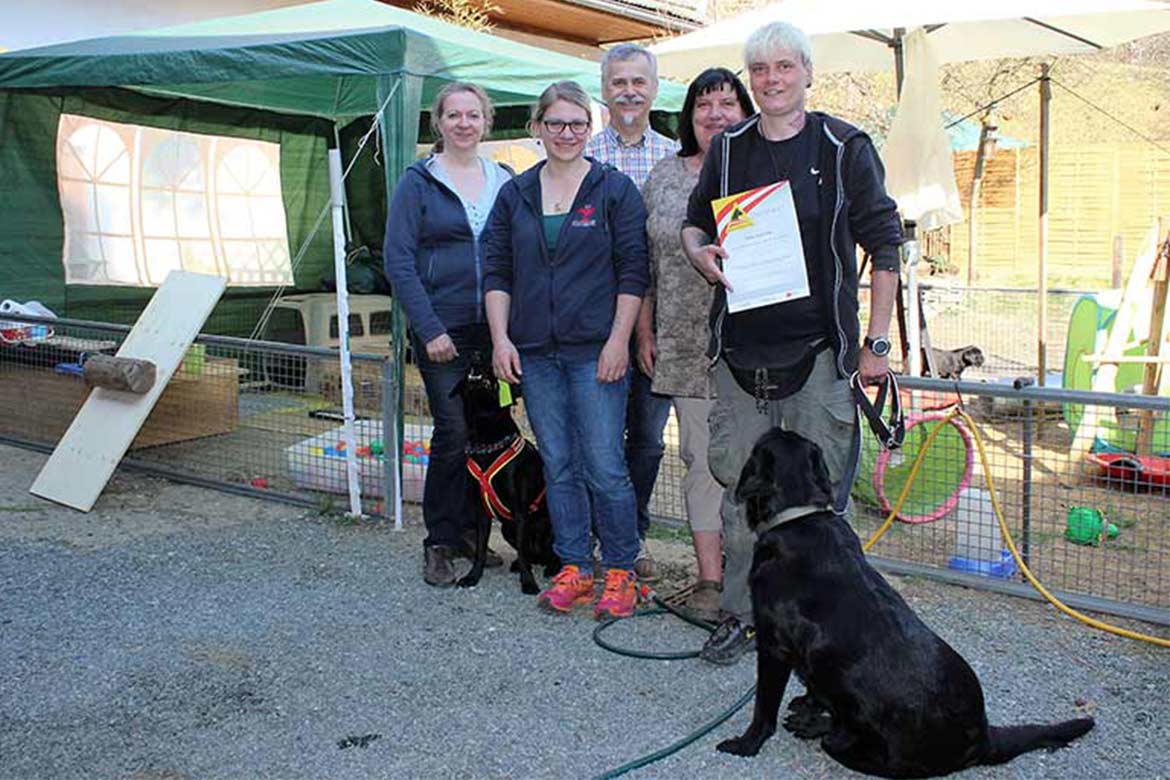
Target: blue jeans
646 418
579 424
447 511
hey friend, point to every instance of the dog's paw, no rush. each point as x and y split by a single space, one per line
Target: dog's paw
467 582
529 588
515 567
809 722
804 702
739 747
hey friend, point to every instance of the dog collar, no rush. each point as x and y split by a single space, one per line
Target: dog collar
786 515
495 446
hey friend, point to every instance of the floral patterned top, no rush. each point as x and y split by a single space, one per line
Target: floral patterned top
683 297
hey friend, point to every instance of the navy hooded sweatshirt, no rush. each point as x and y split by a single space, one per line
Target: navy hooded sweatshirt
565 304
431 257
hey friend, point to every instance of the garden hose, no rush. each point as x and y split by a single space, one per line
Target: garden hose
668 656
663 608
1035 583
698 733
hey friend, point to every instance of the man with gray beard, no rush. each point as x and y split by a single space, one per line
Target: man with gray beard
629 81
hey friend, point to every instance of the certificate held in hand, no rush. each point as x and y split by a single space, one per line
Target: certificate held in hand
765 258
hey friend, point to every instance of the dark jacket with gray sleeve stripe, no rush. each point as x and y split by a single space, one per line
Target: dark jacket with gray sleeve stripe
856 211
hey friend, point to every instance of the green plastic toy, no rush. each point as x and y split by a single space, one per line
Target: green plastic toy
1085 525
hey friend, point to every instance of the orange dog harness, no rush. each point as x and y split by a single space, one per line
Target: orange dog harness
491 500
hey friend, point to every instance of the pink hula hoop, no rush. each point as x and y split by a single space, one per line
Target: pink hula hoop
883 459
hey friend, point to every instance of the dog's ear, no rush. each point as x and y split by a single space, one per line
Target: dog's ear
457 390
755 478
820 489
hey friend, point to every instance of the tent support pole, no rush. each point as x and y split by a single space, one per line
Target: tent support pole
899 58
344 197
336 188
1042 255
400 100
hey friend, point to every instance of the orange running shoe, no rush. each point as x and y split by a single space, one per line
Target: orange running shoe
568 589
619 597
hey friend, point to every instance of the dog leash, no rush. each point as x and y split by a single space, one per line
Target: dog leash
889 430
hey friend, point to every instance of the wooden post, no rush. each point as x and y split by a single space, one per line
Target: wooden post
1150 383
1042 257
119 373
973 204
1118 254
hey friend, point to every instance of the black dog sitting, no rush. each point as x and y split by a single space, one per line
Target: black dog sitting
951 363
507 481
886 695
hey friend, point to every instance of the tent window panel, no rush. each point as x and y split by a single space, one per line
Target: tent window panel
120 260
77 205
158 213
162 258
199 256
208 204
113 209
234 219
191 211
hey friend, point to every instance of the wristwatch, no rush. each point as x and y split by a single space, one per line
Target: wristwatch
878 345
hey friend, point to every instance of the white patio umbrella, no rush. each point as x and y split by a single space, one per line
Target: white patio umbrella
854 35
861 35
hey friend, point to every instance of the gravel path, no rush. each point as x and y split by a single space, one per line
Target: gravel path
178 633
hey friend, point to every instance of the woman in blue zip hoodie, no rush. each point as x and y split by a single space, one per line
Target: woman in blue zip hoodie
433 258
566 268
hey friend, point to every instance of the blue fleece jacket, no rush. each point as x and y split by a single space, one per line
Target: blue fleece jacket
431 256
566 303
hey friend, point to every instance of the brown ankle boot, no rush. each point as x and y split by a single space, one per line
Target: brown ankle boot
437 568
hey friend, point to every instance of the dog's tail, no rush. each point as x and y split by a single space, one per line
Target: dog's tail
1007 742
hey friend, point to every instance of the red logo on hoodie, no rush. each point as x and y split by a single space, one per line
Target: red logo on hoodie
585 217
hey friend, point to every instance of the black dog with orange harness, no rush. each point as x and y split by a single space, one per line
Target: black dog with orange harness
507 479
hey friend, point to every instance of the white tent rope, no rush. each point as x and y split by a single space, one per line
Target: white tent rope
262 321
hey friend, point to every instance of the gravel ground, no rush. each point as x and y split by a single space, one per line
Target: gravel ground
178 633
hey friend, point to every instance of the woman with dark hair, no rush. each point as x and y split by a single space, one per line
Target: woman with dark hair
434 261
672 323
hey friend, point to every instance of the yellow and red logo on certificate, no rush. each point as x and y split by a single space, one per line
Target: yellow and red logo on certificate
732 212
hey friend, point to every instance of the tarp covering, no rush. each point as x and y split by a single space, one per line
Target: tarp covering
920 170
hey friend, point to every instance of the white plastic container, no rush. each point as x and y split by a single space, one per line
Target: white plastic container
317 463
977 536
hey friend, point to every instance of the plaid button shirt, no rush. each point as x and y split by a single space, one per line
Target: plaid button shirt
634 160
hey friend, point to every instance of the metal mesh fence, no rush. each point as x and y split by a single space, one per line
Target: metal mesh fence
1001 321
1093 524
265 418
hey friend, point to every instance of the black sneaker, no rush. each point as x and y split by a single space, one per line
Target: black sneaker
729 642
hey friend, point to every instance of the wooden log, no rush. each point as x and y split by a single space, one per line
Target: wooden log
118 373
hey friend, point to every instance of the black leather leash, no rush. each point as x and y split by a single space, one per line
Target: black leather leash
890 430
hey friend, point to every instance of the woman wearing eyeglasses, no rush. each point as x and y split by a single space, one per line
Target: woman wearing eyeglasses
566 268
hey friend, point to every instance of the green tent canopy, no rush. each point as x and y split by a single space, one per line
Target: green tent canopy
322 59
292 76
